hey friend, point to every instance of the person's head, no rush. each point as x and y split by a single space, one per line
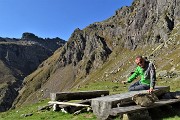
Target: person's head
140 61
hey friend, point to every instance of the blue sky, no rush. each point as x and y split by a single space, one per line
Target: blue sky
53 18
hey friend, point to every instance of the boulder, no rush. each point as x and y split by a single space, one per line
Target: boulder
144 99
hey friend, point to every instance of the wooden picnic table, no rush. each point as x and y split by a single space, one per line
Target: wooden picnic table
102 106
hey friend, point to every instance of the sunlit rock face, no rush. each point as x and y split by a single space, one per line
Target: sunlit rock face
19 58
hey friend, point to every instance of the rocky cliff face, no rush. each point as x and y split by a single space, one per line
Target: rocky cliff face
18 58
133 30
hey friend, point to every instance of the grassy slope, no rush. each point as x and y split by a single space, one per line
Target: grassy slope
165 113
108 77
17 114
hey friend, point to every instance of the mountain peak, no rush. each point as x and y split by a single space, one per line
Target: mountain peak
28 36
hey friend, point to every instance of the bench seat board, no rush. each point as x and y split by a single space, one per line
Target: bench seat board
68 103
133 108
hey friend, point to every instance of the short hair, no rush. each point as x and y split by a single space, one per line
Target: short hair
139 56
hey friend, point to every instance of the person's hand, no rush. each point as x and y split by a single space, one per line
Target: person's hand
150 90
124 82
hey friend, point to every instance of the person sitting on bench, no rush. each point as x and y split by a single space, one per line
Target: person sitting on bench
146 70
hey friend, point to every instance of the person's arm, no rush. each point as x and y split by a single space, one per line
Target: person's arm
132 77
152 78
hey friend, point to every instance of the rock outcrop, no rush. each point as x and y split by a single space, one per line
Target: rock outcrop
19 58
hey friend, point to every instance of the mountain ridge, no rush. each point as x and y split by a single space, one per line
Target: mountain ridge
90 54
18 58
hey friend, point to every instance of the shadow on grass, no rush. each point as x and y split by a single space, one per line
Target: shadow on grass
165 112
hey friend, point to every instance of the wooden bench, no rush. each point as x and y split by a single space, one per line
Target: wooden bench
68 103
102 106
82 95
135 108
58 99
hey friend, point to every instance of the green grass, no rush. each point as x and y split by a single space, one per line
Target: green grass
172 118
17 114
114 88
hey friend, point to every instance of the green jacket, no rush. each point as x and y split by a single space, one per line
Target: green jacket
148 74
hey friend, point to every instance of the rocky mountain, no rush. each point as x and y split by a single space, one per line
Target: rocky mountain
105 51
19 58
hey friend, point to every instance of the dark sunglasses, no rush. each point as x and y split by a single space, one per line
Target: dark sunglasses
140 62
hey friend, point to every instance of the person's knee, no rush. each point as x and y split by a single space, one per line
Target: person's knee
131 89
146 87
137 88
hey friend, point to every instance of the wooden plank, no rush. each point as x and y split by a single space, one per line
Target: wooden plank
102 105
82 95
86 102
68 103
72 109
133 108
